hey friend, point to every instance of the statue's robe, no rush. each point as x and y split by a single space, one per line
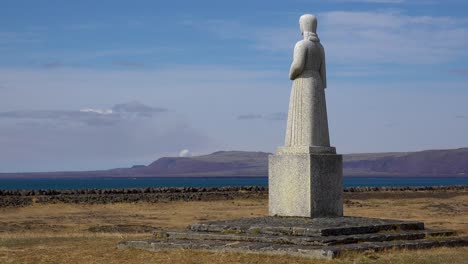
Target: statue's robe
307 117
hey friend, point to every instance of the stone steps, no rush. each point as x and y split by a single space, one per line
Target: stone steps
306 226
288 249
303 240
335 251
296 236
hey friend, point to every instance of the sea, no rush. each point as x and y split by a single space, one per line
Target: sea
120 183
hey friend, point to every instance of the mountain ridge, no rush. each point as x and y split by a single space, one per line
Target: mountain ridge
426 163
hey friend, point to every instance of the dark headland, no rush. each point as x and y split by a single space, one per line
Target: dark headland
428 163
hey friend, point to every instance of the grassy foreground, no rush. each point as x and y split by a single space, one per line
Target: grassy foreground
67 233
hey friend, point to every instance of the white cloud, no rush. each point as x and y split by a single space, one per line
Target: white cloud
87 116
97 111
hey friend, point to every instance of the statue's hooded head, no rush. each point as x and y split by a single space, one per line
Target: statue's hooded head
308 25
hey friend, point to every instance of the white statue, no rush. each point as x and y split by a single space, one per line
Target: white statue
307 129
305 176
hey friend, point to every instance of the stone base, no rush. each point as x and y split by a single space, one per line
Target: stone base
305 185
305 237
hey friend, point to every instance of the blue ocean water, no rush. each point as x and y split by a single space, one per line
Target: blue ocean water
119 183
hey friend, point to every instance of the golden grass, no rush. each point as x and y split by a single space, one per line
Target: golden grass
60 233
103 250
76 218
436 213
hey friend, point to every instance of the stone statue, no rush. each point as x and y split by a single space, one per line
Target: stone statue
307 129
306 174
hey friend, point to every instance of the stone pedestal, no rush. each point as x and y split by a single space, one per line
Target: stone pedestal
305 184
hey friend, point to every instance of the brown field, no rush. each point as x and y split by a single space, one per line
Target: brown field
77 233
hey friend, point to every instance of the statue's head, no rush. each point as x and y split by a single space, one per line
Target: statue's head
308 23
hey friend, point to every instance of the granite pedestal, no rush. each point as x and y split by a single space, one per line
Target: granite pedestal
305 184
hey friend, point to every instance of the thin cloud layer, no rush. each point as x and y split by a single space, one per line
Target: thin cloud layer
51 139
88 116
137 108
393 37
354 38
461 72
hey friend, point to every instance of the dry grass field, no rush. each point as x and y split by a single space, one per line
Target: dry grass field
77 233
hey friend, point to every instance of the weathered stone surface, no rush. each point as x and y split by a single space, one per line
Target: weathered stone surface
306 185
300 236
306 150
227 246
402 244
302 240
303 226
289 249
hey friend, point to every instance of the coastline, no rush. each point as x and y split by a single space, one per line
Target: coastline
142 183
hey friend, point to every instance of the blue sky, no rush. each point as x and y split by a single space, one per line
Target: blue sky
101 84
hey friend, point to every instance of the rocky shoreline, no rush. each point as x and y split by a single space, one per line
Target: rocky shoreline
20 198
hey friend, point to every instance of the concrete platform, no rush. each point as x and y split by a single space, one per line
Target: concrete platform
305 237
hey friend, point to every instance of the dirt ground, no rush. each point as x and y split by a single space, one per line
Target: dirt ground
80 233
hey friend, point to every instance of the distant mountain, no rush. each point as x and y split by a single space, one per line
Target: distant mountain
429 163
453 162
221 163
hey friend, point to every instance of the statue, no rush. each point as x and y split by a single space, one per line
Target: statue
307 129
306 174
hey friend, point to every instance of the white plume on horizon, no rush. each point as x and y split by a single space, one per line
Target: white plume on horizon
185 153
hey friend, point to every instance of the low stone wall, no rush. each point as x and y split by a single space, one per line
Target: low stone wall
407 188
19 198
